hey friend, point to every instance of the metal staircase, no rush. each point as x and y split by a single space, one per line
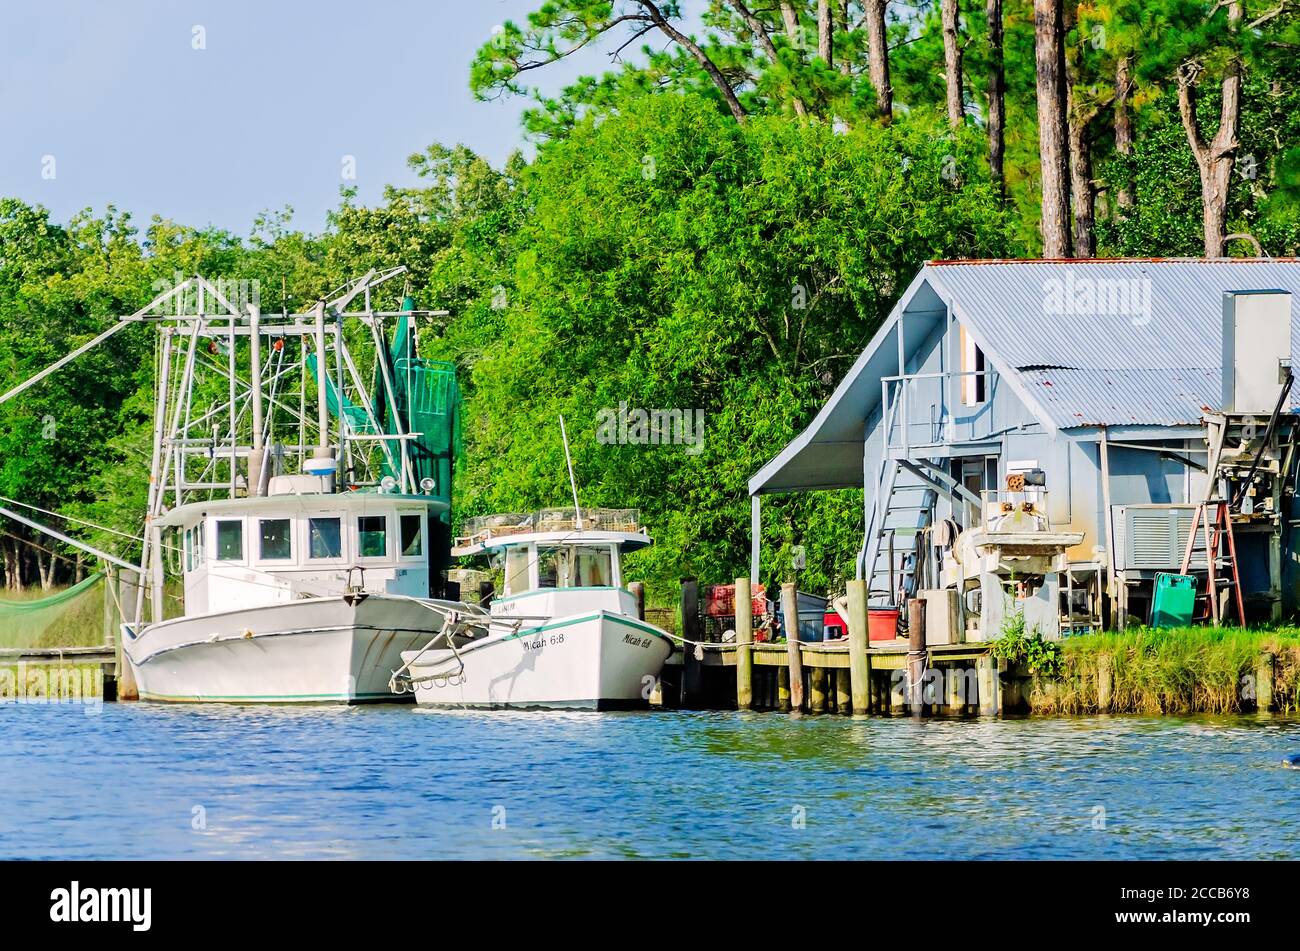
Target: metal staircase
894 544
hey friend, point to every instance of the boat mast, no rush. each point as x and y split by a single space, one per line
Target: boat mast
573 483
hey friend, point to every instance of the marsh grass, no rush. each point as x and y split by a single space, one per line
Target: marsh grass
1173 670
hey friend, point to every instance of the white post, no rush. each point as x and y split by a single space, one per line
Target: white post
255 380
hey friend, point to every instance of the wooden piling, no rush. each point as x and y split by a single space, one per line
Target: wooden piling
794 656
744 646
916 656
783 689
897 696
843 690
128 582
987 673
692 663
859 661
1264 683
954 681
817 695
637 590
1105 682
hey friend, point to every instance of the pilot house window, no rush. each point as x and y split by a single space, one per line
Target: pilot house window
275 540
230 541
372 536
412 545
324 538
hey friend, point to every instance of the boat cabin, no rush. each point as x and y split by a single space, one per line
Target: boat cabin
250 552
548 566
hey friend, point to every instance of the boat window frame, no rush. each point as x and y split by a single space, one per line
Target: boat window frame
530 581
387 557
423 516
307 560
293 542
217 521
616 566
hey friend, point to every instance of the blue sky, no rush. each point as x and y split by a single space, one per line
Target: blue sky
262 117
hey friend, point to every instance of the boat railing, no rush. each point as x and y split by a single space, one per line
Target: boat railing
485 527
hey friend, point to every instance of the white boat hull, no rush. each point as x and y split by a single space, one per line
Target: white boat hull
317 650
593 661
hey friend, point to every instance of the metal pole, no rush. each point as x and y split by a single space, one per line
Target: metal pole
573 483
255 373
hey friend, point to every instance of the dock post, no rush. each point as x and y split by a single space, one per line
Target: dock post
1105 682
897 696
794 656
843 692
744 648
637 590
986 671
859 661
916 656
954 682
783 689
127 583
817 693
692 663
1264 683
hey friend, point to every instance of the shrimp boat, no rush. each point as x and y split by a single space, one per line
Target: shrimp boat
564 634
309 563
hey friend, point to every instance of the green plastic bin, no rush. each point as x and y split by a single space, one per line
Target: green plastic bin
1174 600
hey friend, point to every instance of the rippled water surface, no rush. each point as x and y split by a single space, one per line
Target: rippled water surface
142 780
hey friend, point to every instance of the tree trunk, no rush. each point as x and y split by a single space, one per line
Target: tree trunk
825 48
1052 146
13 576
701 57
997 92
764 40
845 65
1080 116
1214 159
45 569
878 54
791 19
1081 188
1124 132
951 16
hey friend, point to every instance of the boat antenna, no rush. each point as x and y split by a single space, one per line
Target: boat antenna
573 483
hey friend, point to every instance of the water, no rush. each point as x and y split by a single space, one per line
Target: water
143 780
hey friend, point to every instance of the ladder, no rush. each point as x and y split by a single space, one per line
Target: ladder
1215 532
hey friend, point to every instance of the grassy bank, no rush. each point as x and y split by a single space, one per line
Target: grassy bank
1173 670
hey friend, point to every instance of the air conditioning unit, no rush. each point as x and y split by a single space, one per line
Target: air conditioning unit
1153 537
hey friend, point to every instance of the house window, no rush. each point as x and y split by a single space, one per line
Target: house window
412 542
324 538
973 378
230 540
275 540
372 536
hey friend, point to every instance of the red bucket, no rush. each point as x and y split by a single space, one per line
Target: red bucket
882 624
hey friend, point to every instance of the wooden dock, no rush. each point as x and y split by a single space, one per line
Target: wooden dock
64 658
847 676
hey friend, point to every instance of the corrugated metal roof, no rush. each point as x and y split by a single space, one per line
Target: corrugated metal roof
1137 320
1146 351
1124 397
